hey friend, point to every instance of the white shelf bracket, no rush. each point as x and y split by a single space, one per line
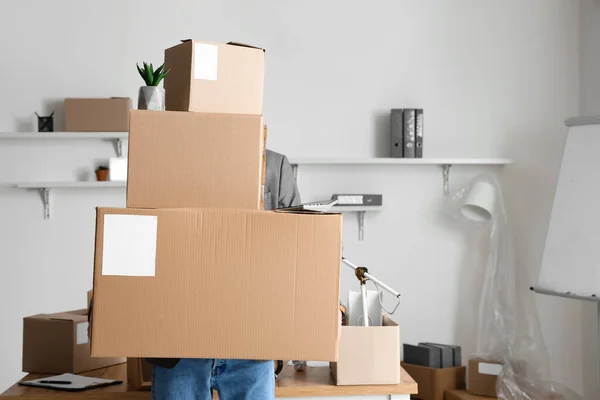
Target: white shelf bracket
361 225
45 193
118 143
295 170
446 176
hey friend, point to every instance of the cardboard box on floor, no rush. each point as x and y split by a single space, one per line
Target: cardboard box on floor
97 115
433 382
483 375
183 159
215 78
58 343
216 283
368 355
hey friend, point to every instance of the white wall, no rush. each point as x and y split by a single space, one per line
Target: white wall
590 57
495 79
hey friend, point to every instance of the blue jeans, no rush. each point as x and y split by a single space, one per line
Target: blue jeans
193 379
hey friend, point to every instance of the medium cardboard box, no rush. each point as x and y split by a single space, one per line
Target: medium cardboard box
216 283
183 159
483 375
433 382
215 78
462 395
97 115
368 355
58 343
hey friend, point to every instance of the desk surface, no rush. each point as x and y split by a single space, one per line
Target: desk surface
315 381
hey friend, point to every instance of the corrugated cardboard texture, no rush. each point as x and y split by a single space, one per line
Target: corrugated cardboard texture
228 284
238 88
481 384
183 159
97 115
433 382
368 355
50 347
462 395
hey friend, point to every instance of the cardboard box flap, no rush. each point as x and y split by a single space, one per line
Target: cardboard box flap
387 321
75 316
244 45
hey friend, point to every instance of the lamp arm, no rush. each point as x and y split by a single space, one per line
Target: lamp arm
371 277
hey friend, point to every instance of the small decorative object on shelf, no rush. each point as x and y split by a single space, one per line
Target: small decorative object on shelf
152 97
102 173
45 124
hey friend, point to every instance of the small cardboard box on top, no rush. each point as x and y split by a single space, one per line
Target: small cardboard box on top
184 159
433 382
58 343
483 375
215 78
216 283
97 115
368 355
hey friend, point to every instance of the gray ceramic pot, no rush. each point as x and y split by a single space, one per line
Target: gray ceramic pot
151 98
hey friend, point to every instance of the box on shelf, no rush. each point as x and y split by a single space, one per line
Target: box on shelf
236 279
483 375
97 115
215 78
433 382
368 355
58 343
463 395
183 159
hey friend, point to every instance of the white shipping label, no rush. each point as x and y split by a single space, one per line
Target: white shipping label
82 334
129 245
205 61
490 369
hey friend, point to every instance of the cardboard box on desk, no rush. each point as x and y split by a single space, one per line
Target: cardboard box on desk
183 159
97 115
58 343
368 355
483 375
216 283
433 382
215 77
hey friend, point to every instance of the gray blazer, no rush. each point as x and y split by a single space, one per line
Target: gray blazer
280 191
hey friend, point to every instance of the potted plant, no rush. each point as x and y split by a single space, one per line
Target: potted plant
102 173
151 97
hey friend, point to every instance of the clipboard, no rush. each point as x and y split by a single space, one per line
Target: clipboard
78 382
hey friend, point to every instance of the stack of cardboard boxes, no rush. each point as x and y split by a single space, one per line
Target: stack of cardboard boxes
194 267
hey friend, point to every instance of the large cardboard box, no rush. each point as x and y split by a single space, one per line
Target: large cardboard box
183 159
58 343
216 283
433 382
97 115
483 375
215 78
368 355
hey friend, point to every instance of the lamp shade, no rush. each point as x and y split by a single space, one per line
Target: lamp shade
480 203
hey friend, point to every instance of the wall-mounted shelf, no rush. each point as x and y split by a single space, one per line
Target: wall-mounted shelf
44 188
445 163
115 137
360 210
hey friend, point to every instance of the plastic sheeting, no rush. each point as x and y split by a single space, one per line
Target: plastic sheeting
508 328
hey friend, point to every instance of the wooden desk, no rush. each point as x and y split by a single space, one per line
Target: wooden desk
311 384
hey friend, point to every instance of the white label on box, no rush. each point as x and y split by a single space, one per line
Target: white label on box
490 369
82 334
129 245
205 61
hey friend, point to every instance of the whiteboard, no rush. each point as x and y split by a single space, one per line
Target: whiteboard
571 260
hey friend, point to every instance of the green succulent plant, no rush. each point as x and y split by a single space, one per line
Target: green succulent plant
151 76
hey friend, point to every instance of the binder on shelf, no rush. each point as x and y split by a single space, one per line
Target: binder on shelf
419 134
397 128
409 133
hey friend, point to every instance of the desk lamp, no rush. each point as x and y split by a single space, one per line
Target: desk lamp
363 275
